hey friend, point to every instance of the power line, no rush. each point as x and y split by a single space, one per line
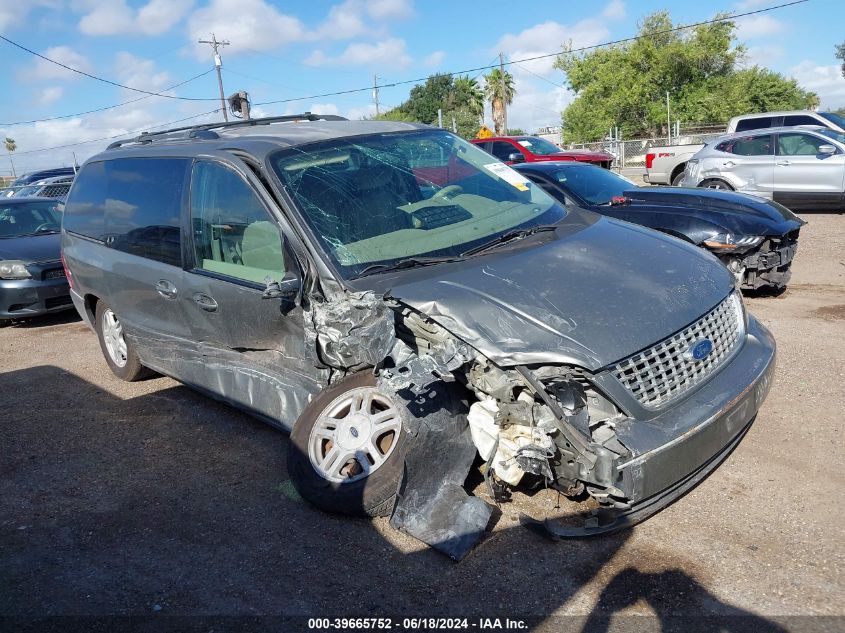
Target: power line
106 81
121 135
103 109
633 38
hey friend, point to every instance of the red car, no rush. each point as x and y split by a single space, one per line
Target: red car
532 149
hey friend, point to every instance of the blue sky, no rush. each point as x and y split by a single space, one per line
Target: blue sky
287 50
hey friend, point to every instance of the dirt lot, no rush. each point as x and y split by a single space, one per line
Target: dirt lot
148 499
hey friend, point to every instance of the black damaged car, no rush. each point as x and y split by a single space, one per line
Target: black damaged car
755 238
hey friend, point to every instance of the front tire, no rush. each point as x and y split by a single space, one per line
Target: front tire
715 183
118 352
347 449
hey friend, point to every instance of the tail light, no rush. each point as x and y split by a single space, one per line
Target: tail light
649 160
67 271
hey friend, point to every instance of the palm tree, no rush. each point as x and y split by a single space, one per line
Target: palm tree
467 94
499 89
11 146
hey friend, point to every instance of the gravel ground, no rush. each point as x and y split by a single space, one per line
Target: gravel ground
148 499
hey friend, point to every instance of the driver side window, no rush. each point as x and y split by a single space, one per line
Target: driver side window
233 234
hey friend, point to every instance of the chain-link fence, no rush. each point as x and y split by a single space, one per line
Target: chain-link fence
631 153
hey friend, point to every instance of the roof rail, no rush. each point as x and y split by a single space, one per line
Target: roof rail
206 131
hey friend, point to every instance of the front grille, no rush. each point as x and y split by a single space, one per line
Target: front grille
666 370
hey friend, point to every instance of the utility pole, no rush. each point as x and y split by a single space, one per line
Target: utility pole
668 119
218 63
504 100
375 93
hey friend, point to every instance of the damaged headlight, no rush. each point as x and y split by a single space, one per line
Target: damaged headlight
727 242
13 269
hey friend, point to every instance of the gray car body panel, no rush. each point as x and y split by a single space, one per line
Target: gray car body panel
535 303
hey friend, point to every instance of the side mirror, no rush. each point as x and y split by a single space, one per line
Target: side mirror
288 288
516 157
827 149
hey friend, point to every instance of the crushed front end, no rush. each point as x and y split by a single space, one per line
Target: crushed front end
767 262
634 436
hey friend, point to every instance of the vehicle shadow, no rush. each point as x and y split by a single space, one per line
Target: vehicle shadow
176 509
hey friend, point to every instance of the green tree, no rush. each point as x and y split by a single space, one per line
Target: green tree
516 131
840 55
11 146
626 85
425 99
499 90
466 94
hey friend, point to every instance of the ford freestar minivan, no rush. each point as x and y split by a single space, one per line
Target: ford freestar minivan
400 301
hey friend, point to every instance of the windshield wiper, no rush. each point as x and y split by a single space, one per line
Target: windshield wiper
510 236
409 262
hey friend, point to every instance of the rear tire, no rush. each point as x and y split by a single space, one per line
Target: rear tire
358 423
715 183
119 353
676 181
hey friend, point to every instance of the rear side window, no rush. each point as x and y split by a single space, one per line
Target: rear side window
502 150
800 119
132 205
748 146
756 123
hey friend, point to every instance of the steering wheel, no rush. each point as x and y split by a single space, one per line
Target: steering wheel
447 191
47 226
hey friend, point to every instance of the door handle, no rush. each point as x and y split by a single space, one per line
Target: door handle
205 302
784 163
165 289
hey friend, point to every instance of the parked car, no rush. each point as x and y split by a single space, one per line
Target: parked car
54 187
665 165
755 238
802 168
32 280
27 179
312 274
532 149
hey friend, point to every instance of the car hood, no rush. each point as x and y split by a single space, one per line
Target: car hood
739 213
591 294
31 248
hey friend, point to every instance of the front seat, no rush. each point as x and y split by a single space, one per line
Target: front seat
261 248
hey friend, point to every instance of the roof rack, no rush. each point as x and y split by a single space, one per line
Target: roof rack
206 130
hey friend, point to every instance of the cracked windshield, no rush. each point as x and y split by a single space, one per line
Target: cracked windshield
385 198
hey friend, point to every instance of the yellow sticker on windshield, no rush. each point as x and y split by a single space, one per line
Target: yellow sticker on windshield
510 176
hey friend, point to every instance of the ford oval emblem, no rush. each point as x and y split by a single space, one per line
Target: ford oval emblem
700 349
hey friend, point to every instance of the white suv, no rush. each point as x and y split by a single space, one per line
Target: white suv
800 167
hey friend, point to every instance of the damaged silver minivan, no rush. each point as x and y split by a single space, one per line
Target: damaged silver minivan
402 302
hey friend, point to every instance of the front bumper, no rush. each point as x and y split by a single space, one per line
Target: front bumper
21 298
676 443
679 448
770 264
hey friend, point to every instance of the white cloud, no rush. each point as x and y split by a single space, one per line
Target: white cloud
434 60
41 69
763 55
323 108
49 95
615 10
549 37
537 104
354 18
391 53
113 17
755 26
14 12
137 72
826 81
252 24
390 9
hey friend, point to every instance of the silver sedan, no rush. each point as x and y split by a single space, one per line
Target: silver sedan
800 167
